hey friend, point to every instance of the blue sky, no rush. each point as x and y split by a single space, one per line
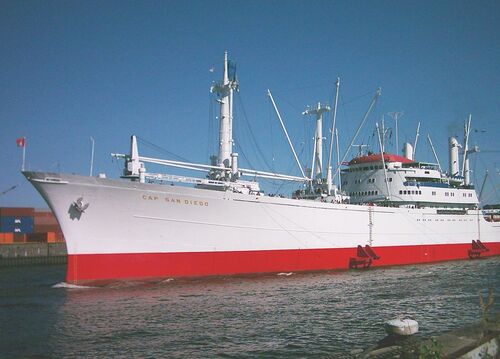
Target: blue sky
108 69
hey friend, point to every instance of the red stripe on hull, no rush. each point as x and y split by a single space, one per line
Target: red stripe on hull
86 268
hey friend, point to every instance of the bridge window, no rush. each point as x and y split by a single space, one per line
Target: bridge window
433 193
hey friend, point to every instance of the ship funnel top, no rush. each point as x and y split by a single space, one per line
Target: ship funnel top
408 151
454 164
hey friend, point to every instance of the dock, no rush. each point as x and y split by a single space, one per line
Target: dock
473 341
18 254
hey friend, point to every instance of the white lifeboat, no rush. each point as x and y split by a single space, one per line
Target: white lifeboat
401 326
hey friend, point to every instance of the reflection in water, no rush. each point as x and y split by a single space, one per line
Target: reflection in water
301 315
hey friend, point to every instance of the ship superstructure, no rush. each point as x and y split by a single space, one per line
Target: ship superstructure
386 210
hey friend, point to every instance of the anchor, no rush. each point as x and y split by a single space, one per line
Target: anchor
477 248
79 206
364 258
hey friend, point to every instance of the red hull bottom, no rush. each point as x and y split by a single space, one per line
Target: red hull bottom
85 268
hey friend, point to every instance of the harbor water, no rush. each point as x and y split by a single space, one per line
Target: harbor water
327 314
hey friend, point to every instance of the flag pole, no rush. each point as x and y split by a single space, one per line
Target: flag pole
92 156
24 153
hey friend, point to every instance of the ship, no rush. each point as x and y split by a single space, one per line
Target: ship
385 210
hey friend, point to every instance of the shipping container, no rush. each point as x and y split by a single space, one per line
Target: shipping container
59 237
45 218
46 228
36 237
17 211
19 238
51 237
6 238
16 224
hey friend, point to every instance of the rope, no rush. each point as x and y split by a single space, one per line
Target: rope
161 149
252 135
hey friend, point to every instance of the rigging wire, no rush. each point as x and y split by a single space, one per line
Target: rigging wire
354 99
161 149
493 192
252 135
243 154
284 99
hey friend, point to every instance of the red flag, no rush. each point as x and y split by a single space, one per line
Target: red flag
20 142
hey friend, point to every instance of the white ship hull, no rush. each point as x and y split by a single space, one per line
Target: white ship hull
138 230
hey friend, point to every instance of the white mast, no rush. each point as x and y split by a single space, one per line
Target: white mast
465 160
396 116
416 139
382 146
225 92
318 140
338 156
383 163
329 180
372 103
434 151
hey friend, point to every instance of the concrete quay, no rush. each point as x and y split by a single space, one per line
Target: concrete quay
474 341
18 254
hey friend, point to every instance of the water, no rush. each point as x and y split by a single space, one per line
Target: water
313 315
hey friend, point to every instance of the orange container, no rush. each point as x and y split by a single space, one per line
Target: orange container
59 237
36 237
51 237
44 218
6 238
19 238
17 211
44 228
